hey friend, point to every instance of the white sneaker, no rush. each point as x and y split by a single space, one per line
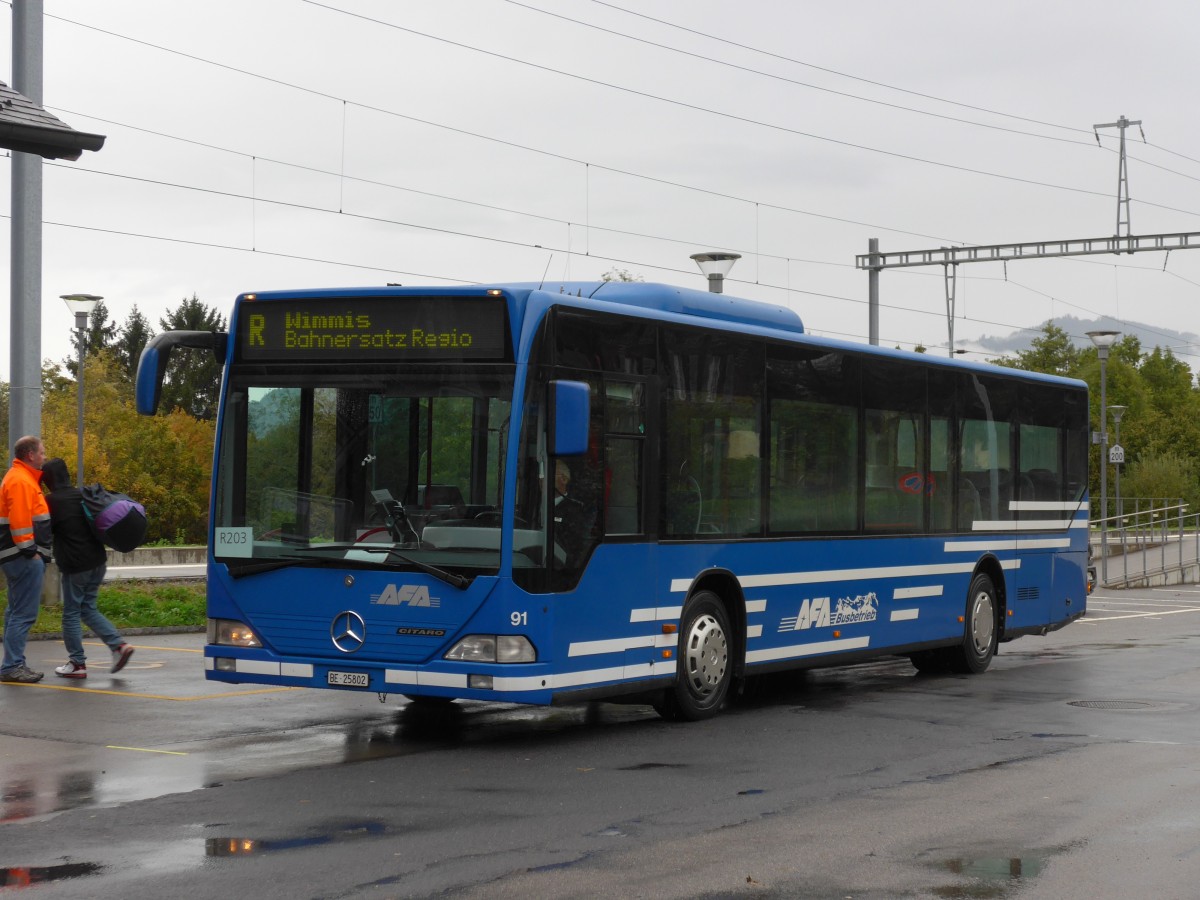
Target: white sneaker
120 657
71 670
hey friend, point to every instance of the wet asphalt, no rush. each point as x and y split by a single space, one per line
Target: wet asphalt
1067 770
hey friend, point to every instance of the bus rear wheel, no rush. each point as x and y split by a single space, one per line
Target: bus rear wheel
705 669
978 647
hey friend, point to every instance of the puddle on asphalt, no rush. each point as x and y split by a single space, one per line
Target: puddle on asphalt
115 775
178 855
242 846
990 877
27 876
639 767
995 876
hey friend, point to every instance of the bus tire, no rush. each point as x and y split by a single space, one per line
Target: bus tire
978 646
704 666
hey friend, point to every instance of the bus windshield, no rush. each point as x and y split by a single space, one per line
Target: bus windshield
386 466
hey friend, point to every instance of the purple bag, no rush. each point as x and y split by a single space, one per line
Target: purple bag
117 520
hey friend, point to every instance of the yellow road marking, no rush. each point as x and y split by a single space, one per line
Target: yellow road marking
145 750
149 647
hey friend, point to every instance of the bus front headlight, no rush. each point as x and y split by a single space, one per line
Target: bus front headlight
493 648
230 633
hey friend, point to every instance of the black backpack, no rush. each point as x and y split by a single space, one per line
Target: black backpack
117 520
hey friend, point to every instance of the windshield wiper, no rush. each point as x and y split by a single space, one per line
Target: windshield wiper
459 581
294 559
281 562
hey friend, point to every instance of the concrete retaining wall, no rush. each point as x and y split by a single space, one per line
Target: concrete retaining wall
142 556
158 556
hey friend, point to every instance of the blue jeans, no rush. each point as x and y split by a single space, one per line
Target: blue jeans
79 593
24 576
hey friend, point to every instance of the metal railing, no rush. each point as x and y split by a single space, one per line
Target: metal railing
1150 541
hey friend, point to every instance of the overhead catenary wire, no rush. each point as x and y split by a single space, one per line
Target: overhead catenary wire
567 158
598 82
641 264
568 251
734 117
560 156
874 82
881 84
793 81
559 220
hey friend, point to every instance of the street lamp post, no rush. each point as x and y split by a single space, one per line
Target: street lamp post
82 306
1103 341
715 267
1117 412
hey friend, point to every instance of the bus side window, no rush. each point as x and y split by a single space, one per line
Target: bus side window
624 446
939 488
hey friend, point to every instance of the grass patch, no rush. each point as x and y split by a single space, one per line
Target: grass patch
137 604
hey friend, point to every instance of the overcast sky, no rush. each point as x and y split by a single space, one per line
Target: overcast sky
264 144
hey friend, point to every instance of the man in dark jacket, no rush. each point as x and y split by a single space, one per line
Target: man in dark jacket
82 561
24 552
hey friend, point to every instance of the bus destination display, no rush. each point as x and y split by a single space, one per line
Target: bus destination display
372 328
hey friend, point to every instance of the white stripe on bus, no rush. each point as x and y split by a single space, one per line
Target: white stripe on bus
1006 544
619 645
797 650
908 593
784 579
1046 505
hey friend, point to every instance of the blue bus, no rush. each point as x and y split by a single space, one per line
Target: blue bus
624 491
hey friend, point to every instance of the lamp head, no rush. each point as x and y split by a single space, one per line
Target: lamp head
1103 339
82 305
716 263
715 267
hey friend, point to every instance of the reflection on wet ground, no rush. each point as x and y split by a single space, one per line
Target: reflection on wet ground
19 876
113 775
22 797
240 846
993 877
192 852
996 876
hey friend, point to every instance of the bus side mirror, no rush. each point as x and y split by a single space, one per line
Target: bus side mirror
152 364
570 409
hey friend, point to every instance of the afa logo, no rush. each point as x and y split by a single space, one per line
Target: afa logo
406 595
820 612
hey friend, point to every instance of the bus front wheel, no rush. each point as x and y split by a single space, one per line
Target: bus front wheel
705 669
979 639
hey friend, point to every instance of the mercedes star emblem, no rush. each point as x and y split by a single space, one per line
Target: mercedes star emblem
348 631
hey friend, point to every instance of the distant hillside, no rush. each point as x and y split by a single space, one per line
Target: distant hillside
1183 343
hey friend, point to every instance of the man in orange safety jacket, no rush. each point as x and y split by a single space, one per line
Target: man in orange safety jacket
25 547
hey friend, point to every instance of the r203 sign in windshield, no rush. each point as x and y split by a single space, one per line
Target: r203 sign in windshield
393 329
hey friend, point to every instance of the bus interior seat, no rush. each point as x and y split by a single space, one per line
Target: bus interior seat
682 512
970 509
1045 484
445 500
1026 489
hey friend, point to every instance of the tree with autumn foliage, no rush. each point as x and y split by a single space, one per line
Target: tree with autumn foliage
164 462
1160 429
